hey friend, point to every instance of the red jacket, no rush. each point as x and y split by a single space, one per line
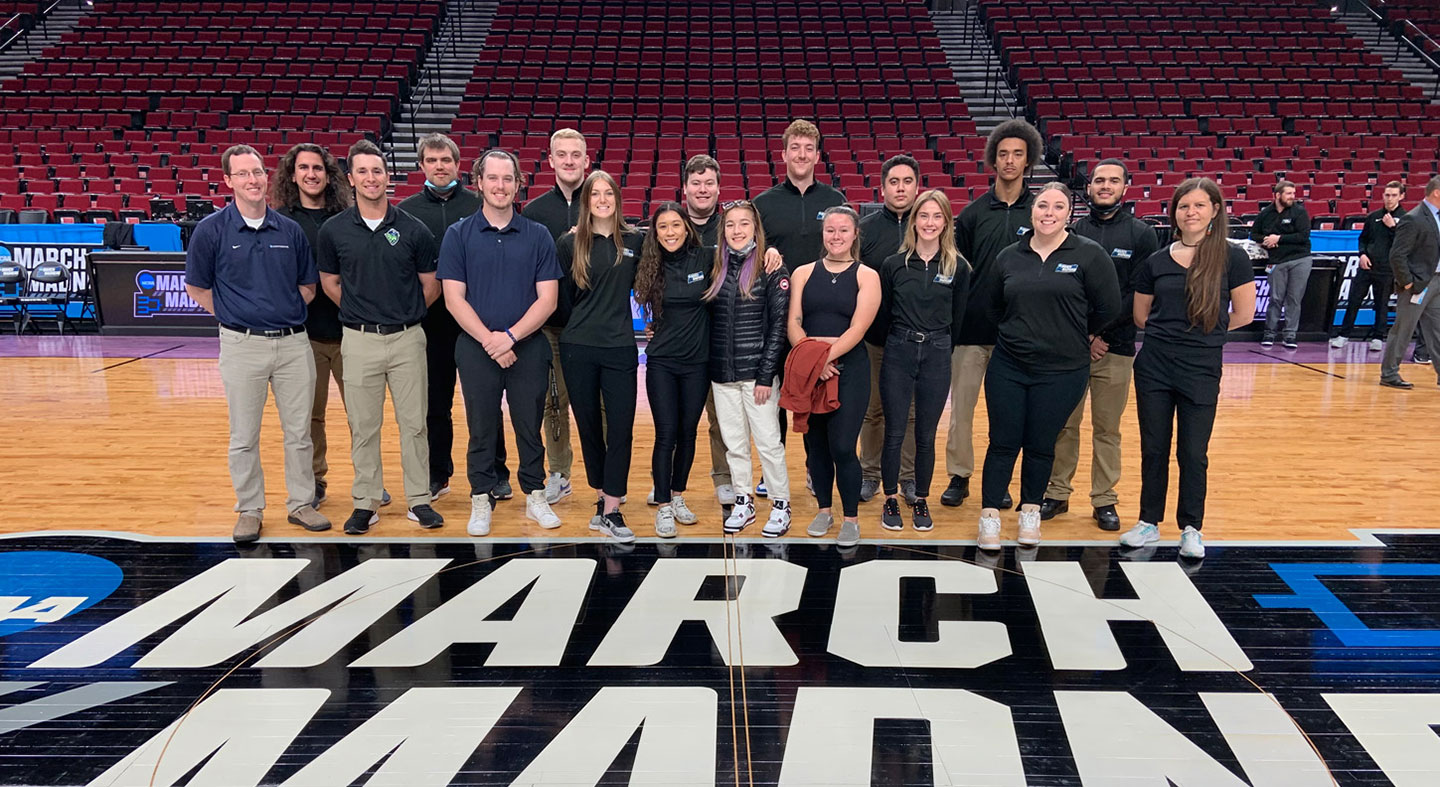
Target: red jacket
803 392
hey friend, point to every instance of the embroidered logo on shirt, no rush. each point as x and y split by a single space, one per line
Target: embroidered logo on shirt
275 246
1066 268
1022 230
1286 221
820 216
941 278
694 277
236 246
392 235
629 252
1121 254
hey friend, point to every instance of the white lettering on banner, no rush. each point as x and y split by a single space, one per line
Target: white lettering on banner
1076 624
246 731
534 637
423 738
1396 731
72 257
666 598
677 739
832 732
46 610
1117 740
865 628
226 628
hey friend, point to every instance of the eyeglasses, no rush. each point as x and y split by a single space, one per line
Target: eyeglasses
250 174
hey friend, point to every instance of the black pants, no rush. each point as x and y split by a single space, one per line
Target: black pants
677 398
830 441
441 333
1027 411
1176 390
1383 285
594 375
915 373
482 383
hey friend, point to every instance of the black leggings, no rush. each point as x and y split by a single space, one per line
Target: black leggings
1176 392
918 373
677 397
830 441
1027 410
594 375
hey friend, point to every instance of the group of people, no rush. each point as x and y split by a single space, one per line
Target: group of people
858 329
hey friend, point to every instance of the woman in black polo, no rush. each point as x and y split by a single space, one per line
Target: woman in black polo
597 344
1187 297
923 293
1056 290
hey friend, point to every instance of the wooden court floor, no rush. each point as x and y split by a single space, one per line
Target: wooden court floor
1300 452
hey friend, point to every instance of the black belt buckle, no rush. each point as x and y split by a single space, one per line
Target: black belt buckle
917 337
383 330
273 333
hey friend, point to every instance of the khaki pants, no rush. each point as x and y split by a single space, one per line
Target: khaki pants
556 428
373 363
872 431
328 364
719 465
251 367
967 373
740 420
1109 390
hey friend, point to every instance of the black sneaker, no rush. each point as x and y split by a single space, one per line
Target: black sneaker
1267 339
438 488
1006 502
426 516
503 491
920 514
890 518
360 521
1051 508
319 495
1290 343
956 493
1107 518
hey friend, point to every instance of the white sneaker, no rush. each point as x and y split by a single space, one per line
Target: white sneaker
650 498
1191 545
480 507
1376 345
1338 342
989 536
557 487
741 516
1141 534
537 508
1029 534
613 525
725 493
779 522
665 522
683 514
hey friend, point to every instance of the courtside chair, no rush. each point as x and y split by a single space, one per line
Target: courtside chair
39 302
12 286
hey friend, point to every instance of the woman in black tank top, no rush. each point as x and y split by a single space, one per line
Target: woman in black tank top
835 301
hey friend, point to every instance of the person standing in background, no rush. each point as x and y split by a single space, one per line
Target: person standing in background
1283 227
1375 275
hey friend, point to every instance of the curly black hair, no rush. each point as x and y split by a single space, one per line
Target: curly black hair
1015 128
285 194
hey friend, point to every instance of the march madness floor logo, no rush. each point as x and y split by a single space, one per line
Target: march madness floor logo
488 663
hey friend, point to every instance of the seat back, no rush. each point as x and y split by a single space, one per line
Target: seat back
34 216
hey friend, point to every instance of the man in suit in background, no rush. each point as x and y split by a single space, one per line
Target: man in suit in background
1415 258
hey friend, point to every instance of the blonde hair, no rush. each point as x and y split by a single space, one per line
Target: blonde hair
585 233
800 128
949 253
567 133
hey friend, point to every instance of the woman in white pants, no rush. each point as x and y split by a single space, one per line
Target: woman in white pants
747 346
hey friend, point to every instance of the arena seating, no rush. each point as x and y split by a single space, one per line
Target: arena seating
1423 14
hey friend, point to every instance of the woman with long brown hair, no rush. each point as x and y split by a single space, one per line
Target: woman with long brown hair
1188 296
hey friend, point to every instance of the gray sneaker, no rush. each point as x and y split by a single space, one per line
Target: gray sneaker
820 525
665 522
868 489
849 534
907 491
613 525
503 491
308 518
247 527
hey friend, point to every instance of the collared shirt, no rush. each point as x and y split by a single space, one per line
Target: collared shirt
917 296
599 315
1435 214
253 274
792 219
982 230
499 265
682 329
1129 242
379 269
554 211
322 320
1046 310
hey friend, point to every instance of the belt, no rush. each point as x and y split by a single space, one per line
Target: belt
915 336
270 334
382 330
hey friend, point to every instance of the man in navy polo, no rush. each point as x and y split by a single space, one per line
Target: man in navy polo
252 268
501 281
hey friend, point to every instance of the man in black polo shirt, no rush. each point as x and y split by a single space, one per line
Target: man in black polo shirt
252 268
986 226
1130 242
1375 275
881 234
442 202
502 280
790 210
1283 228
378 263
558 210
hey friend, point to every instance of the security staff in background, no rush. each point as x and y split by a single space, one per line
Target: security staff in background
1283 227
252 268
881 235
985 227
558 209
1374 275
1129 242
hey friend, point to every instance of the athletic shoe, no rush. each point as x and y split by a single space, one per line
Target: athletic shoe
1267 339
742 515
820 525
385 498
247 527
503 491
665 522
426 516
1191 544
1376 345
1289 342
907 491
597 521
319 495
890 515
1007 502
1141 534
613 525
650 498
1420 357
480 507
989 536
1338 342
868 489
1106 518
920 515
537 509
308 518
956 492
557 487
779 522
849 534
760 490
1051 508
439 488
725 494
683 514
1029 534
360 521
